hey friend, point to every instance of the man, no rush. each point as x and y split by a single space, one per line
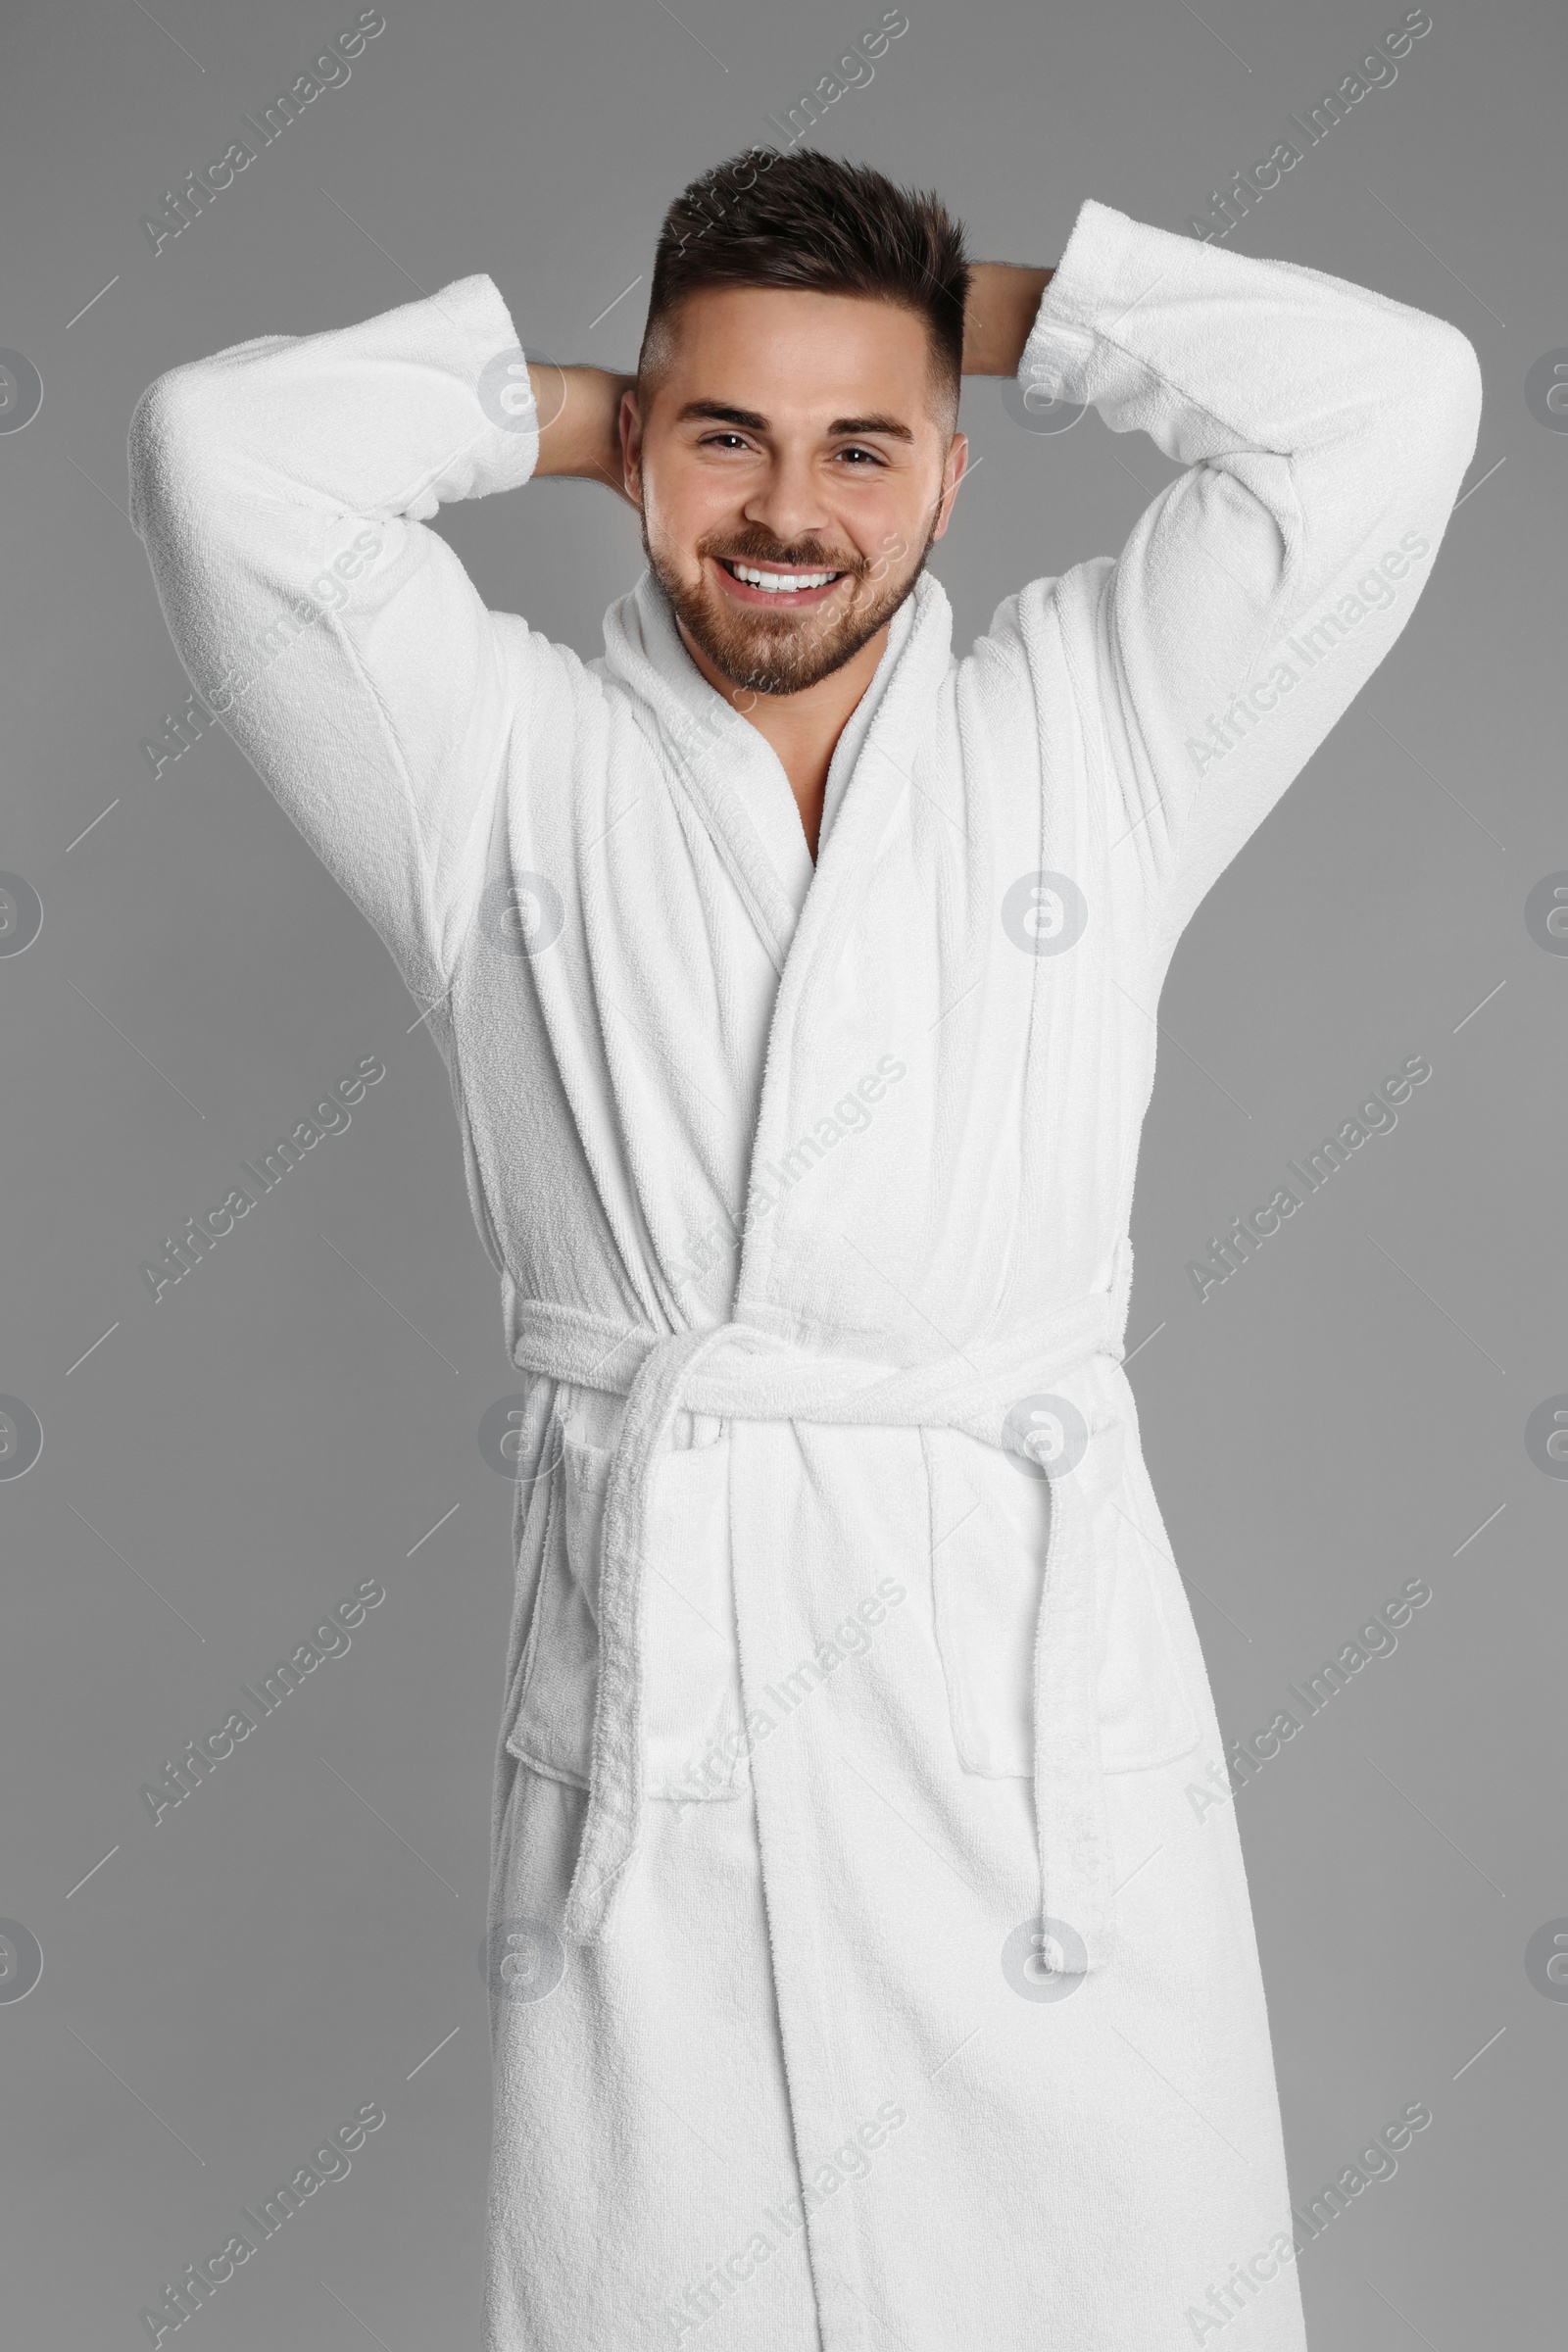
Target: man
862 1971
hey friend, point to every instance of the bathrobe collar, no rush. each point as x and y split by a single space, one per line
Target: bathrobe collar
735 780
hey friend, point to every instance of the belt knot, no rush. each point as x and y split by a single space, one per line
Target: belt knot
739 1371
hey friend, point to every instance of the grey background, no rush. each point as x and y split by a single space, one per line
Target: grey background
1340 1416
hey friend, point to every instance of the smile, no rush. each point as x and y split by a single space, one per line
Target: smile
752 584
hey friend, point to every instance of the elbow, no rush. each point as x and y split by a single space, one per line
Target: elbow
169 433
1429 431
1443 399
1460 374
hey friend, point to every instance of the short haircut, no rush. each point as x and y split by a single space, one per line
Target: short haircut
809 222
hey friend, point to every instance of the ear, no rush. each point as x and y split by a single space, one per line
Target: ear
952 472
630 426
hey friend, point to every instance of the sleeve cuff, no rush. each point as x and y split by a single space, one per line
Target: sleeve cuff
1064 333
499 375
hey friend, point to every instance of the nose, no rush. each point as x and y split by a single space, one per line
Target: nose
789 503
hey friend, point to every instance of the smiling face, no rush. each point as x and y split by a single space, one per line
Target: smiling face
793 457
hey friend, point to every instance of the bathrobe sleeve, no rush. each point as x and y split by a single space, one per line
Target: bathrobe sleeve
1325 432
282 490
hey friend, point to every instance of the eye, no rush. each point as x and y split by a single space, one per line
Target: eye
874 456
730 439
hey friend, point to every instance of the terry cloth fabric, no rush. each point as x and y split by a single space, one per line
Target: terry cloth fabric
763 1381
833 1746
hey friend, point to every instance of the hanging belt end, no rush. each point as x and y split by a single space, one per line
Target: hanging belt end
591 1912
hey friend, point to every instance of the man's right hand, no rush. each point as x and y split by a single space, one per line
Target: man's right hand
579 434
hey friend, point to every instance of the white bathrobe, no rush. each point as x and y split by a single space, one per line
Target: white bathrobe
863 1970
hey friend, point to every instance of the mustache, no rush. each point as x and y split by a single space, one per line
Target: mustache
806 555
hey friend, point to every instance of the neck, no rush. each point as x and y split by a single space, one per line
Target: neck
801 729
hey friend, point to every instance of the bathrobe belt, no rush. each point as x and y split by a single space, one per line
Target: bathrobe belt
737 1371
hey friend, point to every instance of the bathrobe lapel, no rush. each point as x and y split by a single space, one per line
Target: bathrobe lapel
739 790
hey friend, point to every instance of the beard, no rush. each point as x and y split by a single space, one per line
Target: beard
780 653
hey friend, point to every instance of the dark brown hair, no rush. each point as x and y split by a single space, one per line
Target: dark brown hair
764 219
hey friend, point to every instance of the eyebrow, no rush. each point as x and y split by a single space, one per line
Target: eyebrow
749 420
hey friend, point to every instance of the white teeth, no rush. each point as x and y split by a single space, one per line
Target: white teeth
781 582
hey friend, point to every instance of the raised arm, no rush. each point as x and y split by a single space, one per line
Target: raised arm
998 315
282 489
578 411
1325 432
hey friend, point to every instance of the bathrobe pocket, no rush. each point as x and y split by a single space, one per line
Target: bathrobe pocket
990 1524
693 1725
